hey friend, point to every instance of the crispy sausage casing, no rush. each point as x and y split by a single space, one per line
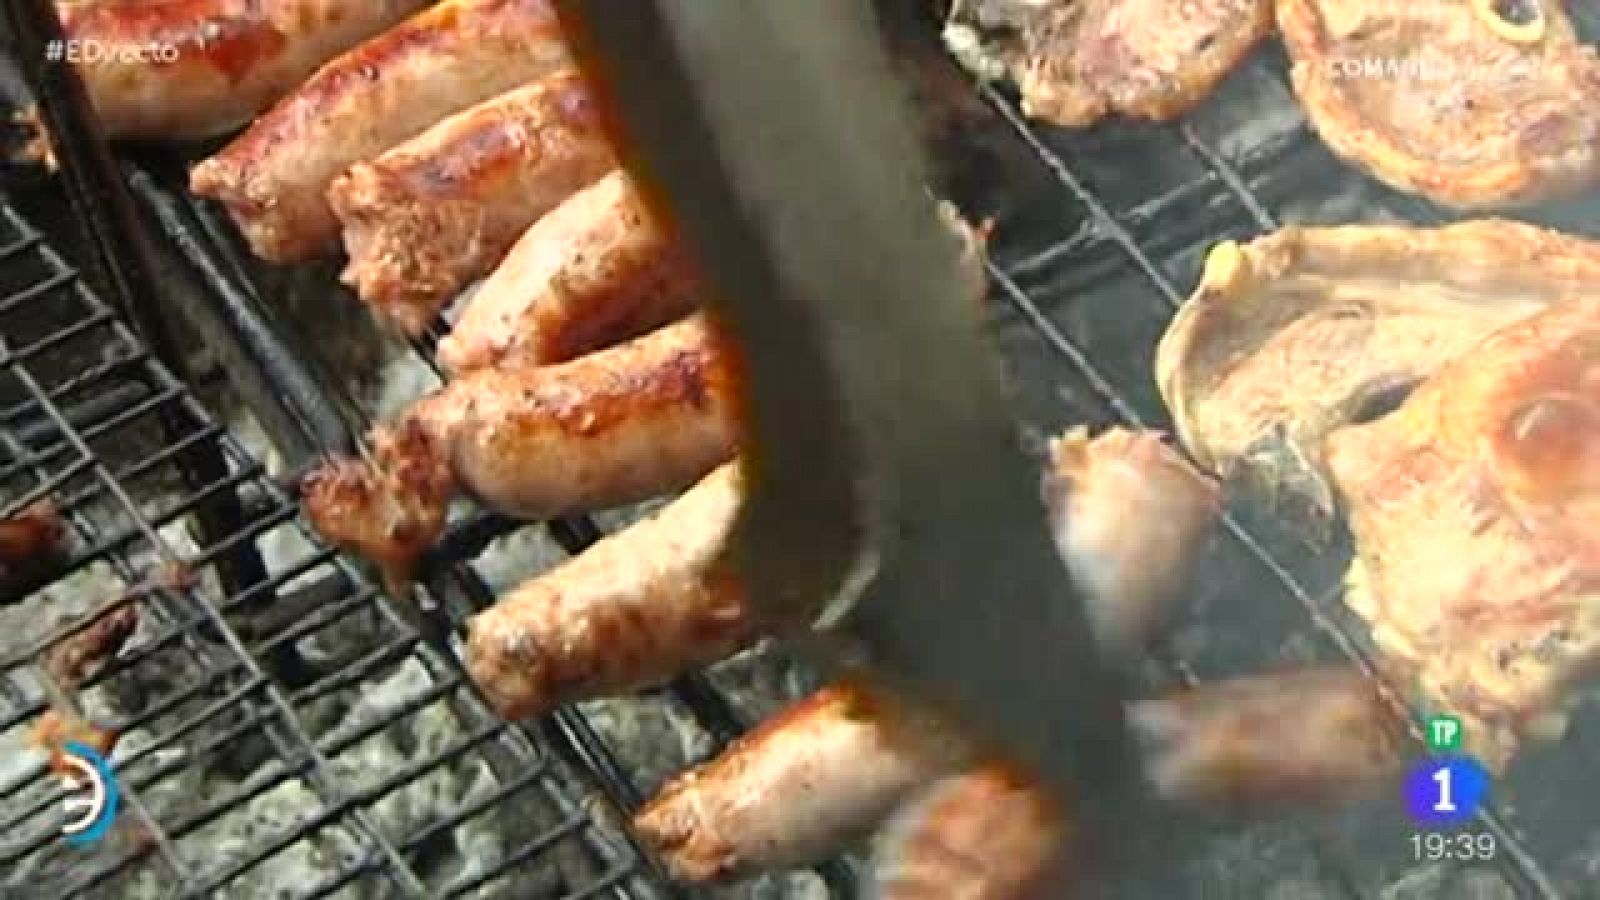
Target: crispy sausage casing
440 210
1130 516
819 775
195 68
598 270
595 270
633 610
631 422
274 178
985 834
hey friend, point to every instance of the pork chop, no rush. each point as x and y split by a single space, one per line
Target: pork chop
1476 512
1297 333
1471 103
1078 61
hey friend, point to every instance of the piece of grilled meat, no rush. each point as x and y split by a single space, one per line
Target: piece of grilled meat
187 69
1130 515
273 179
431 215
1475 508
813 779
641 606
805 783
593 271
631 422
985 834
1472 103
1078 61
28 539
1294 334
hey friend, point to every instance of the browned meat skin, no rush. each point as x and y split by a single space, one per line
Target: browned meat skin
1447 98
184 69
29 535
274 178
1476 512
431 215
1078 61
1294 334
634 421
986 834
595 271
814 779
1130 516
1224 746
806 782
637 608
76 657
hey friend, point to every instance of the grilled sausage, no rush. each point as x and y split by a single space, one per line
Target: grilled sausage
440 210
195 68
1130 516
810 781
632 611
985 834
594 271
818 776
598 270
274 178
630 422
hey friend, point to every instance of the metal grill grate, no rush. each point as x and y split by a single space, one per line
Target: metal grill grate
1098 238
249 707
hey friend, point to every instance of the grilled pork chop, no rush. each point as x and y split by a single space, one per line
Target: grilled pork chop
1472 103
1476 512
1298 333
1077 61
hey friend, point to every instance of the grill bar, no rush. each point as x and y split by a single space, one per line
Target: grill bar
63 439
1519 861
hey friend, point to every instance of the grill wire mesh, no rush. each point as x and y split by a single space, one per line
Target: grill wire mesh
243 708
1098 236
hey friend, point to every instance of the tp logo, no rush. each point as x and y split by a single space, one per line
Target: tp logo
92 795
1446 788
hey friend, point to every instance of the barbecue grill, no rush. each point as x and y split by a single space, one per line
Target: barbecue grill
288 730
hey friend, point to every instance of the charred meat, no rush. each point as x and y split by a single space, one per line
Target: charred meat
29 538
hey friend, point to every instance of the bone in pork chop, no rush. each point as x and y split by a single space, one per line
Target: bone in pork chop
1472 103
1078 61
1295 334
1476 512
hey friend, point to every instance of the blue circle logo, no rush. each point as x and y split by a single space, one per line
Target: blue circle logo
1446 790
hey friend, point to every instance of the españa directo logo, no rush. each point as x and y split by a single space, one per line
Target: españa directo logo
92 795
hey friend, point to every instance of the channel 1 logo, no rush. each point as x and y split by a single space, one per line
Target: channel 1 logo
1446 788
92 794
